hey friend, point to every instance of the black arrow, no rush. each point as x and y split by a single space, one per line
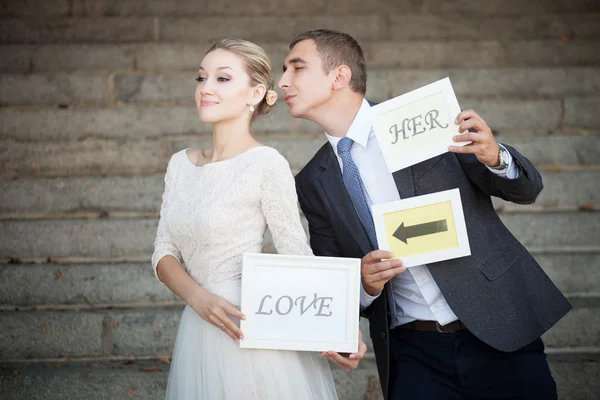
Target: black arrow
406 232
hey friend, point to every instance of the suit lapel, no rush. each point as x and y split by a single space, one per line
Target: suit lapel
332 185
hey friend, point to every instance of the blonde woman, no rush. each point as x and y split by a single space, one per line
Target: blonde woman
217 204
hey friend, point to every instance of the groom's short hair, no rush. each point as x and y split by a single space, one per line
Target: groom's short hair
338 48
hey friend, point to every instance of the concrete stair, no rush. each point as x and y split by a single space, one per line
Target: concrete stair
95 96
147 380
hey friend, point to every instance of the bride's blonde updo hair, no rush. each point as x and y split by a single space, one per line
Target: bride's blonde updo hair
258 67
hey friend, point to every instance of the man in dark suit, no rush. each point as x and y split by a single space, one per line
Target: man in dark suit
467 328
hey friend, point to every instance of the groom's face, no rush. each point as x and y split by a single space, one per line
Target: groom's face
305 84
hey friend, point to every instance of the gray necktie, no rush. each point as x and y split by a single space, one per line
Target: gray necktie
354 187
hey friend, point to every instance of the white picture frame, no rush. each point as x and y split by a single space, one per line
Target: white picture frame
419 210
325 320
406 141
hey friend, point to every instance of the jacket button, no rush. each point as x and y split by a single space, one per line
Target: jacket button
383 335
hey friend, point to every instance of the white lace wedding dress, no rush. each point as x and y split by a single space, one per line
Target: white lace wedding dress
210 216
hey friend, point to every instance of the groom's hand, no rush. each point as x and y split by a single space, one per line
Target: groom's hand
483 144
377 269
348 361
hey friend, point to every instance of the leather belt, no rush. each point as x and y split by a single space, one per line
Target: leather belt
433 326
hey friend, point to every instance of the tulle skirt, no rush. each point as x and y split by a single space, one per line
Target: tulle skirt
208 364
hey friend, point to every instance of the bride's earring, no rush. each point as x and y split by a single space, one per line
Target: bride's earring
251 108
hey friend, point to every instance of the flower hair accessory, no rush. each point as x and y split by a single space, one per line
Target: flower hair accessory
271 97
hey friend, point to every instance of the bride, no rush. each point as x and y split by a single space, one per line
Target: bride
217 204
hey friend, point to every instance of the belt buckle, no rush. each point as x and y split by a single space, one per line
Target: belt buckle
439 328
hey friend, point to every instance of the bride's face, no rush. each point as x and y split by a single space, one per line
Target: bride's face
224 89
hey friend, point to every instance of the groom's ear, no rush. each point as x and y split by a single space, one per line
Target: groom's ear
342 77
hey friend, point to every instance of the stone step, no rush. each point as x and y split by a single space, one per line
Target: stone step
131 157
123 239
152 331
398 54
57 89
147 379
96 197
512 7
505 116
563 190
82 195
557 149
86 381
514 53
87 286
149 88
554 230
586 333
59 8
88 157
576 380
500 82
467 26
132 239
368 25
42 334
572 272
230 8
97 381
143 29
34 8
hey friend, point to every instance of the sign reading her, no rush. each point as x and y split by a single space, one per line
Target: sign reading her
300 303
417 125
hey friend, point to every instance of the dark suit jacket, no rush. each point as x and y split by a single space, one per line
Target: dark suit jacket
499 292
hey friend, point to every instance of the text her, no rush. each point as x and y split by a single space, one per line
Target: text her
414 125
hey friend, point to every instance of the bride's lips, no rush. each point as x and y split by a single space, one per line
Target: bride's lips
289 98
205 103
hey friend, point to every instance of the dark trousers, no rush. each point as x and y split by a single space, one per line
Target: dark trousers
432 365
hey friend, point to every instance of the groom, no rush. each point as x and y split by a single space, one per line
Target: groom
467 328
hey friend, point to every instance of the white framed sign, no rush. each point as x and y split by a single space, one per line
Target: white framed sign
417 125
300 302
423 229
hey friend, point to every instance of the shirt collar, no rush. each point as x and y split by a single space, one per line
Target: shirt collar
360 128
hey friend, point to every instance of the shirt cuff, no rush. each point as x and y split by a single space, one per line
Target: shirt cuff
511 171
365 298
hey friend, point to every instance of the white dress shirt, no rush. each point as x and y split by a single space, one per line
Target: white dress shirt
415 290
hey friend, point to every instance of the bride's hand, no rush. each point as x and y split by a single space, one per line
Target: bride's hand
216 310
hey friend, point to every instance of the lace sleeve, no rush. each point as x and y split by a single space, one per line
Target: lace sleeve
163 244
279 203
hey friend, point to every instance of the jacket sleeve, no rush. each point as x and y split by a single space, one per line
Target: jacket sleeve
522 190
